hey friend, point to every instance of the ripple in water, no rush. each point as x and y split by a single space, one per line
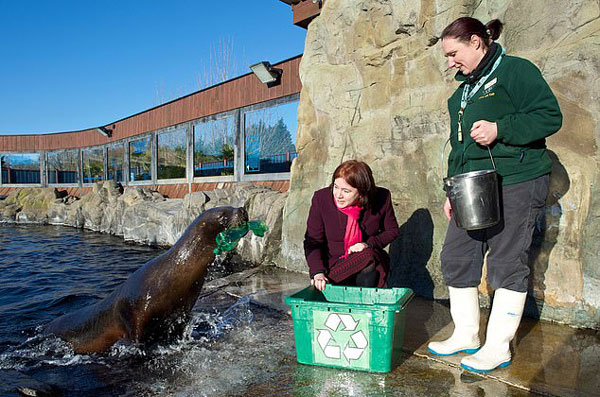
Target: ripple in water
46 271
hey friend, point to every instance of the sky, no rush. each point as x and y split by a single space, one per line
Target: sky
68 65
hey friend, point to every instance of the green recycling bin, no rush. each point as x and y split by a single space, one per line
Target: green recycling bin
349 327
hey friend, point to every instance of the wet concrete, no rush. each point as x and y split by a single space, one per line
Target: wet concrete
414 377
548 358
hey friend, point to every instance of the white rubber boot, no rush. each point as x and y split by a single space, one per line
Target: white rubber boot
464 309
505 317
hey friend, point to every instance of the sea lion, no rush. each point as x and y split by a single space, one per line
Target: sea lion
155 301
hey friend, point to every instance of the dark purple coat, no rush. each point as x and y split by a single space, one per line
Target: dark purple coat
326 226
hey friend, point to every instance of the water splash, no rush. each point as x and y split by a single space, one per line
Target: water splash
41 350
203 328
49 271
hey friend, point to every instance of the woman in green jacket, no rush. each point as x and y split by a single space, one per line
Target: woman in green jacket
503 103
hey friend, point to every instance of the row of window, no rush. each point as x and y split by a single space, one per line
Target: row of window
268 135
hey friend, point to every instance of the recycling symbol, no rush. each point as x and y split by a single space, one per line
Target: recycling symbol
343 338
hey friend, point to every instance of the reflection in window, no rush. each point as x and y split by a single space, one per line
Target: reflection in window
62 167
20 168
270 139
213 147
116 161
140 160
171 154
93 164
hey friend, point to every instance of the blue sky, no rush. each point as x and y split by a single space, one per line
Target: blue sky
71 65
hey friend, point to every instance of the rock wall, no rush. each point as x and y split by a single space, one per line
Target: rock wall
146 217
375 89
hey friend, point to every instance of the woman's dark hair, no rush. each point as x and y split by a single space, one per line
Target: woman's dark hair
358 175
465 27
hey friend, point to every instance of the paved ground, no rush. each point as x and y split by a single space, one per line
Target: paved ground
548 359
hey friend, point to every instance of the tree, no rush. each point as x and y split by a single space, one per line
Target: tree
274 139
220 64
227 151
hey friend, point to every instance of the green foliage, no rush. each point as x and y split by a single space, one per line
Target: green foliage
227 151
200 157
171 172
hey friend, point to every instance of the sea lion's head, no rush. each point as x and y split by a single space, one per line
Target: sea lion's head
202 233
215 220
228 217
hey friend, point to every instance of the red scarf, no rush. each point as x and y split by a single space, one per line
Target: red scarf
353 234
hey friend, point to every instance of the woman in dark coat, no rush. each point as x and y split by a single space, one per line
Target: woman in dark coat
349 224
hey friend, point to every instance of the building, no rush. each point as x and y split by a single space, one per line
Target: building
238 130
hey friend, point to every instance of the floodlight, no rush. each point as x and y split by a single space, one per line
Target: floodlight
266 73
107 132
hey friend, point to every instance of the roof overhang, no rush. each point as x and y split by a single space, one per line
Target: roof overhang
304 11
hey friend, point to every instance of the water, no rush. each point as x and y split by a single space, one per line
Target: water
47 271
230 348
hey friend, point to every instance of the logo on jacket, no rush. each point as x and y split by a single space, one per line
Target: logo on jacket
488 87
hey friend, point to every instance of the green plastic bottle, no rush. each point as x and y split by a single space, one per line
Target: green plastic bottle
258 228
227 240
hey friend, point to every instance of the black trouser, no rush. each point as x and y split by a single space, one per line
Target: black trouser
508 242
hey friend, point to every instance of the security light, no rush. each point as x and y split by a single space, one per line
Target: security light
266 73
107 132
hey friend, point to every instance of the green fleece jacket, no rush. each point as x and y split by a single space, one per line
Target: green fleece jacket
519 100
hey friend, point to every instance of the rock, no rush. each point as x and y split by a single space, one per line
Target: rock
25 216
29 205
266 205
70 200
144 216
133 195
9 213
373 89
193 205
151 223
60 194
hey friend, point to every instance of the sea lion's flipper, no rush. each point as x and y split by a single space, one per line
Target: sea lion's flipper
125 313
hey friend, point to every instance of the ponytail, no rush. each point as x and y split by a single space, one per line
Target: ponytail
463 28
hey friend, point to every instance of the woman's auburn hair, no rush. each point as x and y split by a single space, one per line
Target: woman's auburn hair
358 175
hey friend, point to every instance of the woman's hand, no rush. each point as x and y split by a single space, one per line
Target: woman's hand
357 247
448 208
319 280
484 132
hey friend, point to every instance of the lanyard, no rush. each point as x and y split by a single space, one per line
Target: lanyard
468 94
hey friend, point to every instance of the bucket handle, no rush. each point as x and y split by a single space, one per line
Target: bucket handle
444 151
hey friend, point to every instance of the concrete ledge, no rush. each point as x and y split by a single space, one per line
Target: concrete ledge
548 358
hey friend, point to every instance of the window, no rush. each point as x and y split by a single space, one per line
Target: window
21 168
140 160
270 136
62 167
171 154
93 164
213 147
116 161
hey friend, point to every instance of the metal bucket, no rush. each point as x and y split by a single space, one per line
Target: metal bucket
474 197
